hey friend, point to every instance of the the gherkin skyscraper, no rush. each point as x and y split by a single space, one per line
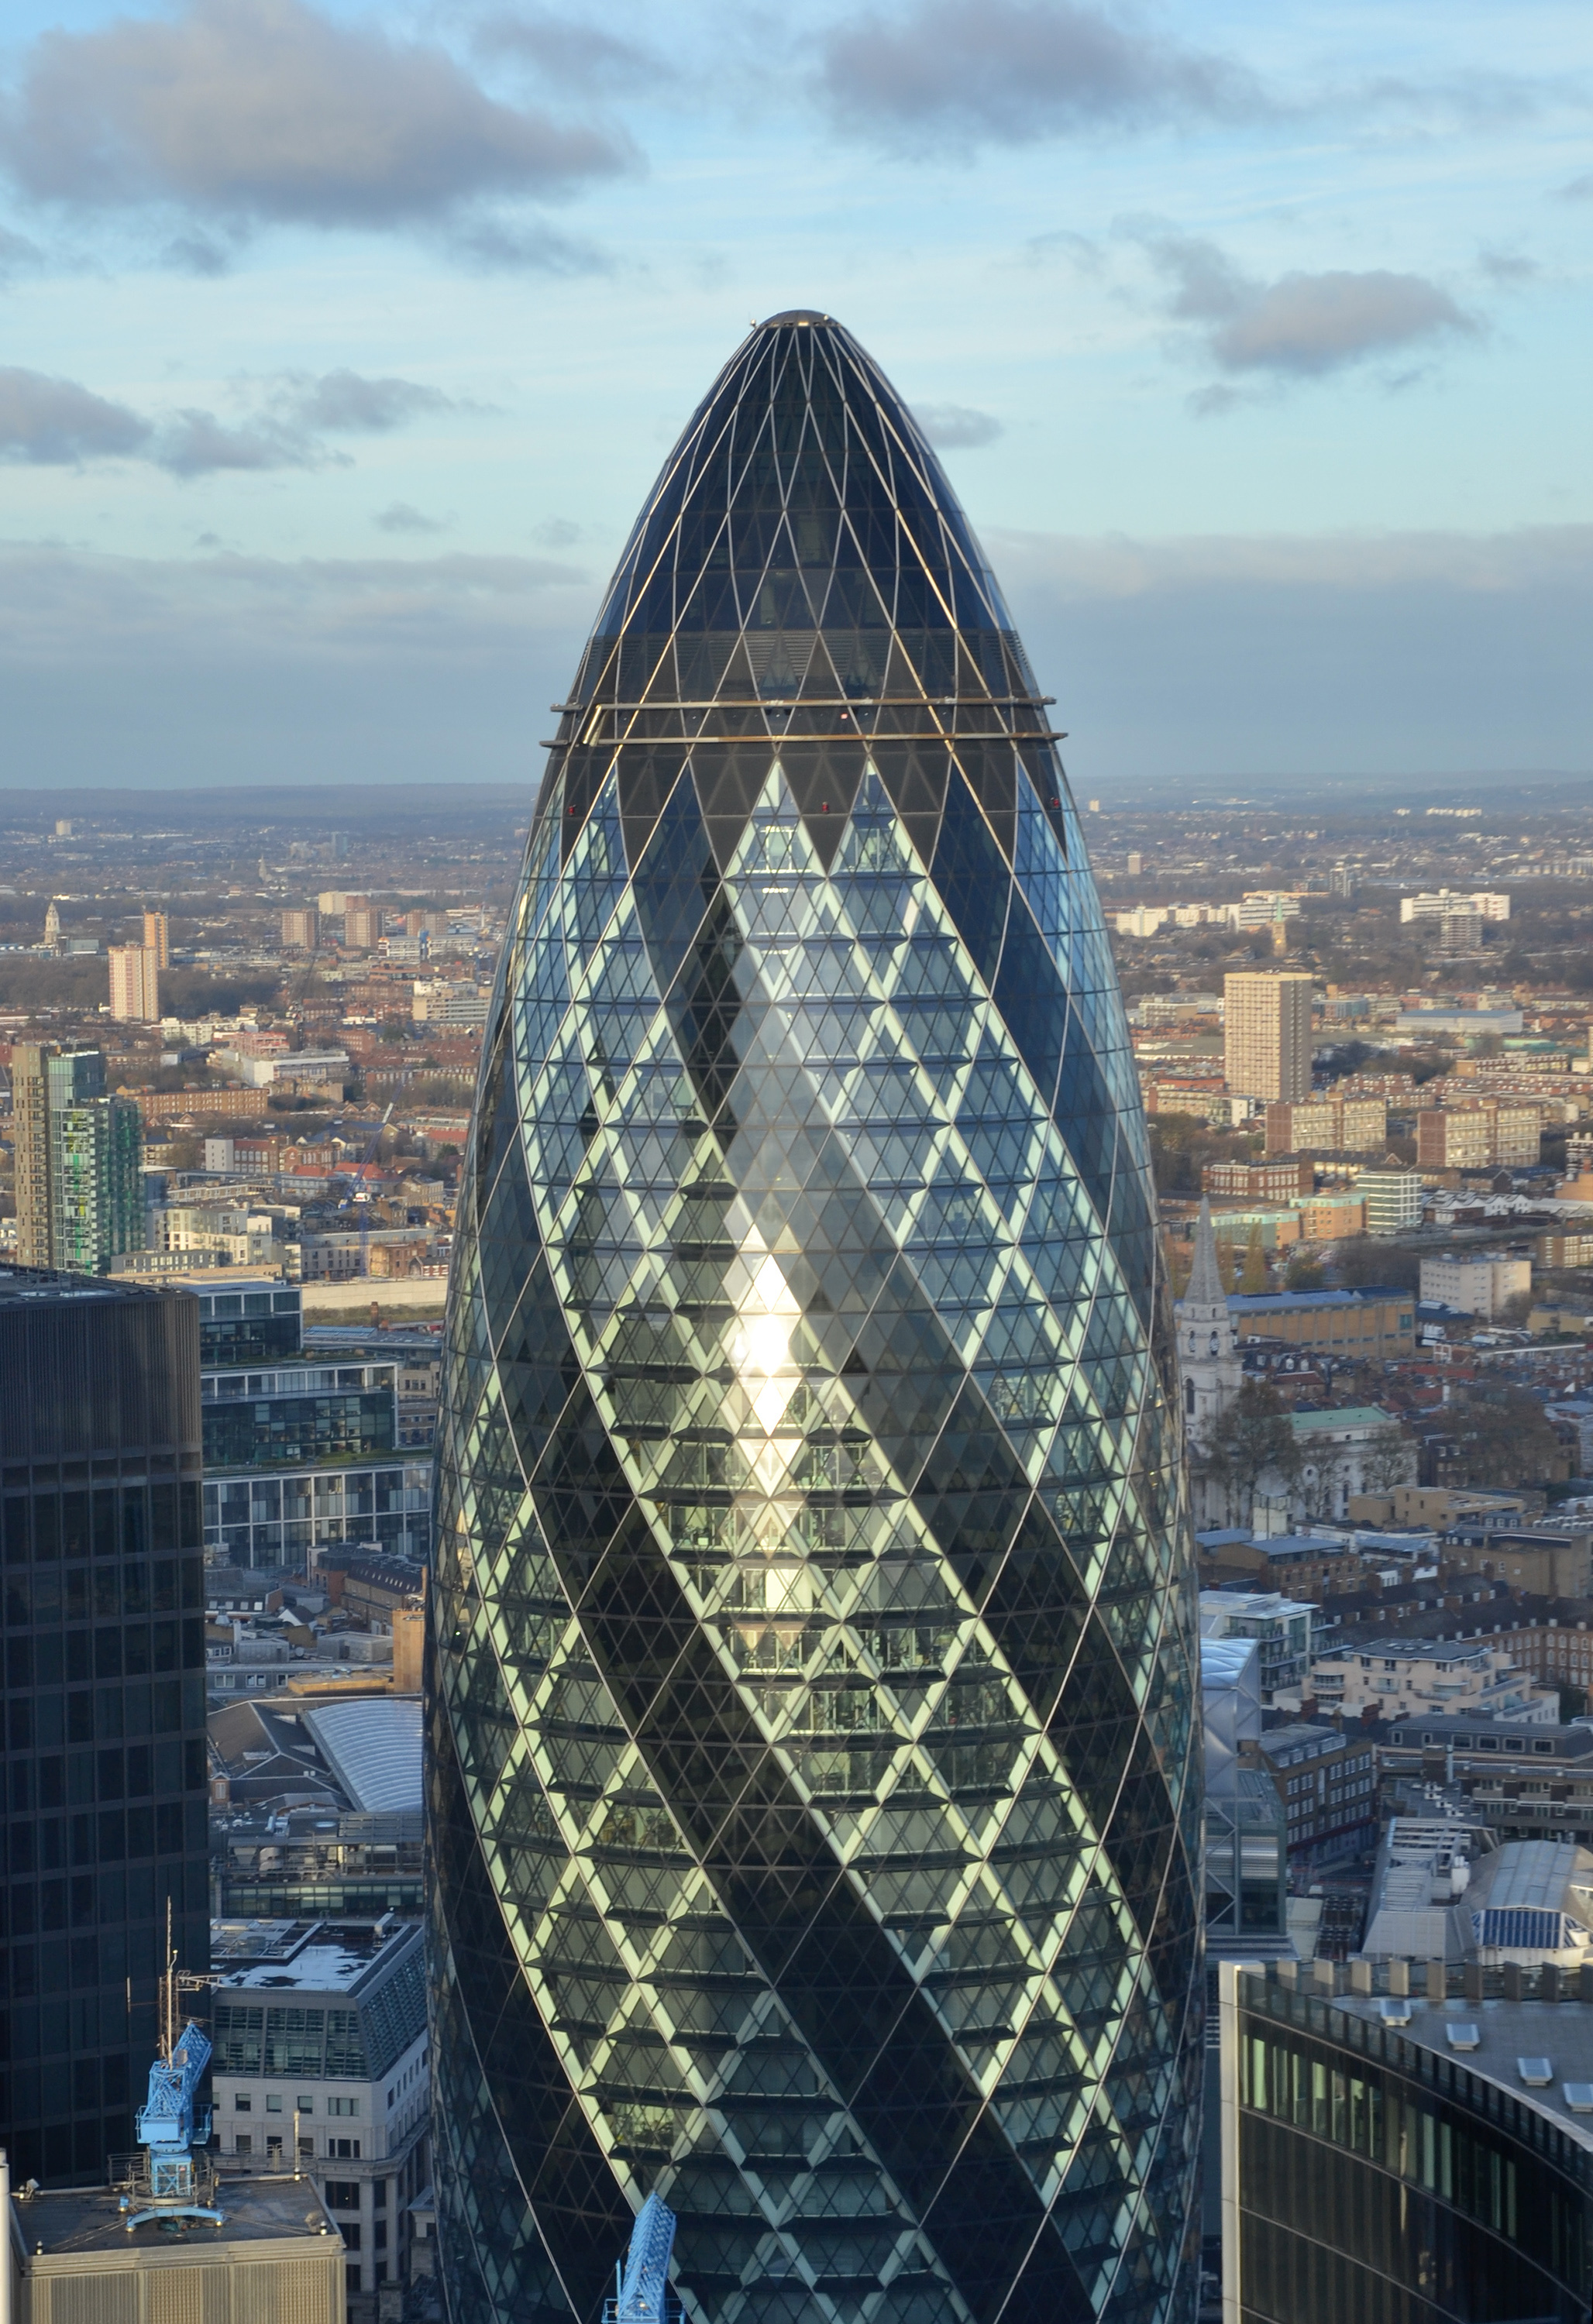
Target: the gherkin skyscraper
813 1800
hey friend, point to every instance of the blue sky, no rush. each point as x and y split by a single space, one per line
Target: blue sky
338 350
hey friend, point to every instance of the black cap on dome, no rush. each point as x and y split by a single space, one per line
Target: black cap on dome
802 575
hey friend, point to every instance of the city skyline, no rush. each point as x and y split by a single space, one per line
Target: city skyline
812 1787
1266 364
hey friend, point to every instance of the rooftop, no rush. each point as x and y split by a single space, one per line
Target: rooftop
28 1285
1224 1662
1347 1416
1250 1605
336 1958
1510 2035
1413 1650
1300 1739
1464 1734
90 2220
373 1746
1275 1302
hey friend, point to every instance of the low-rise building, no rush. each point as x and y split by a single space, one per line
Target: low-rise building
1438 1506
1477 1283
1439 903
106 2255
1490 1134
452 1001
278 1517
322 2063
1328 1125
1551 1561
1377 1323
1386 1678
1392 1197
226 1233
1345 1450
1523 1784
1272 1181
350 1256
1574 1248
1326 1781
1330 1218
1280 1627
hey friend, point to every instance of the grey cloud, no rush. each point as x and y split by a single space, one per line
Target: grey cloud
48 422
58 421
344 400
408 669
954 427
969 70
396 669
1580 189
505 247
328 608
1081 569
198 253
1300 325
198 444
1062 242
572 55
1508 268
558 532
399 517
253 111
16 251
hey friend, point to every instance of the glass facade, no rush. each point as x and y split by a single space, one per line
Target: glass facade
260 1324
103 1821
279 1520
1380 2183
286 1419
813 1801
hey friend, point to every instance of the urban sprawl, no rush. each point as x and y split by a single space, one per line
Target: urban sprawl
241 1058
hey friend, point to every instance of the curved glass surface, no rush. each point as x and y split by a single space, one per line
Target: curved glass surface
813 1801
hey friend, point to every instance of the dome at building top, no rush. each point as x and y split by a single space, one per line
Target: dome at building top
802 570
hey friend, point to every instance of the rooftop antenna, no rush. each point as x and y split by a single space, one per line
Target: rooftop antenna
173 2183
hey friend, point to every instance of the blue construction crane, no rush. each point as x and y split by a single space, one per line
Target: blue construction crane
170 2126
641 2288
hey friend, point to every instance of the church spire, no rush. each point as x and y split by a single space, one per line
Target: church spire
1204 1287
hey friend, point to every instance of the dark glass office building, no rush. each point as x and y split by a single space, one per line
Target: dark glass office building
106 1782
812 1800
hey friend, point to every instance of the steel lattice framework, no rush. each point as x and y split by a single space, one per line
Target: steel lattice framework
813 1804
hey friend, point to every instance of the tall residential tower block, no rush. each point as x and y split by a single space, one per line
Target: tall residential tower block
1266 1034
79 1161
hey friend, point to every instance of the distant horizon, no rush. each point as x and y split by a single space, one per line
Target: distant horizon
1344 789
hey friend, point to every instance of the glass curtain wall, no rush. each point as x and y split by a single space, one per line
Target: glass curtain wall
814 1803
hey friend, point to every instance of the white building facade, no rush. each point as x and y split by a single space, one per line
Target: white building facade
321 2053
